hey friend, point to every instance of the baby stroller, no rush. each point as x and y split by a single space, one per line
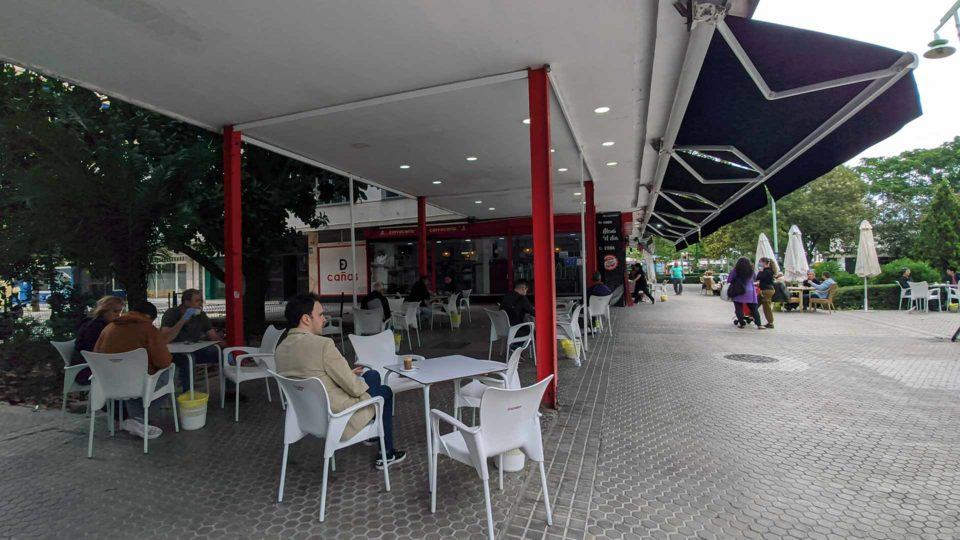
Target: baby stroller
747 316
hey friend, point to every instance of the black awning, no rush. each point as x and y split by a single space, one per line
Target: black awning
732 135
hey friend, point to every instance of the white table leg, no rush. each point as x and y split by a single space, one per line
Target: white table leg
190 364
426 418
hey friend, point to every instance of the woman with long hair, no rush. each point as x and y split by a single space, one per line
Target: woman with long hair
106 310
742 291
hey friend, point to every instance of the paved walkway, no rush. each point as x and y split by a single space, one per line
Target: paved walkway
849 432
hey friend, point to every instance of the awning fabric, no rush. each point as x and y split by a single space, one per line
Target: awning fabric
728 109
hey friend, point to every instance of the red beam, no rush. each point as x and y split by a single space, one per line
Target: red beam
233 239
421 237
591 221
543 255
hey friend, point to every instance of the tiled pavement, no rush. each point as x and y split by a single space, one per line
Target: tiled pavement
852 432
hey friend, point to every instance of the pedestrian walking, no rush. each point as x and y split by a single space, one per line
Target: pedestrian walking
676 276
743 293
765 278
639 278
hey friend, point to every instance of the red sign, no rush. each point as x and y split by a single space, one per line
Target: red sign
610 263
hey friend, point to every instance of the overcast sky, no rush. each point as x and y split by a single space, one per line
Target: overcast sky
905 26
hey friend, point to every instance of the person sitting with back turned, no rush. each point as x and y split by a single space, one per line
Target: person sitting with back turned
134 330
822 289
304 353
598 287
420 293
370 300
188 323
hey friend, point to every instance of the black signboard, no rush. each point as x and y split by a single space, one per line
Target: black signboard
611 251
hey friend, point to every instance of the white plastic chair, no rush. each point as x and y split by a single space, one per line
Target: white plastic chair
616 295
598 307
367 322
920 292
70 384
449 310
509 420
333 326
527 338
468 396
952 295
464 304
904 295
309 414
407 319
124 376
569 328
375 352
263 358
499 327
396 304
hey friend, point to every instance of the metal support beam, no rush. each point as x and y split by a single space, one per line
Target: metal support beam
232 236
584 246
543 240
353 247
591 217
495 193
383 100
421 237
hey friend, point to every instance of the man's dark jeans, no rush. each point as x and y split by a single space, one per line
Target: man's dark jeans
207 355
677 285
372 378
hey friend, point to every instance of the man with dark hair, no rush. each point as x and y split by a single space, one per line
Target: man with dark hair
822 289
188 323
598 287
516 303
374 297
305 353
134 330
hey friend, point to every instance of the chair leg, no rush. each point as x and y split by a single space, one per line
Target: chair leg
486 497
63 406
283 472
176 419
333 462
110 418
432 473
394 404
146 424
269 397
490 351
383 456
323 489
93 414
418 336
283 398
223 386
236 401
500 469
546 494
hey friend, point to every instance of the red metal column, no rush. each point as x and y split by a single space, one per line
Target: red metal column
233 240
543 255
509 262
626 225
421 236
591 225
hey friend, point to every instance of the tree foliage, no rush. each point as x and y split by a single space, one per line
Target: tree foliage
939 240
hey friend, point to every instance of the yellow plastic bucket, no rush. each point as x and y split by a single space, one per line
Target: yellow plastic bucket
663 298
455 320
193 412
569 348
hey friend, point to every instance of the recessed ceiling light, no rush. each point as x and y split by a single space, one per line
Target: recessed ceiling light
437 182
577 193
572 234
491 208
611 163
438 241
477 202
472 158
609 143
501 238
562 169
601 110
553 149
526 121
468 240
404 166
409 243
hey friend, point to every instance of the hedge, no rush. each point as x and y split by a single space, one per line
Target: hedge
880 297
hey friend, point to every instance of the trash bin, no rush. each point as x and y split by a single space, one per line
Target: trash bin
455 320
193 412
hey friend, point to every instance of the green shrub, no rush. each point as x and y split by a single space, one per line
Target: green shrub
919 271
880 297
841 276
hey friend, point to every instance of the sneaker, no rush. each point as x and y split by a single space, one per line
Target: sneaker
135 427
371 442
769 325
393 457
760 327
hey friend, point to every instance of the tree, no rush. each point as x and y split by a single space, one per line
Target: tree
939 241
901 186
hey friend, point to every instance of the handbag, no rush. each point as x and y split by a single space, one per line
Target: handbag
736 288
723 292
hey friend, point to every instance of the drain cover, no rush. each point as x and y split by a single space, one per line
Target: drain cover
751 358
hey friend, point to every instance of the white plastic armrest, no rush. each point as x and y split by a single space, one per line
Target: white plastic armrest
378 401
438 415
226 353
74 369
152 379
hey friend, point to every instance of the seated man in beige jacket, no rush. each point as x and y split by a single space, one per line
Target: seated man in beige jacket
305 353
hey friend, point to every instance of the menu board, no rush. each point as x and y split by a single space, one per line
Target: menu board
611 250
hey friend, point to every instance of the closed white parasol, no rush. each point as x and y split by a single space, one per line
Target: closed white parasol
868 265
765 250
795 260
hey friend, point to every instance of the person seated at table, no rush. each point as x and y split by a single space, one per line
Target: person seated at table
450 285
106 310
305 353
370 300
516 303
130 331
187 323
420 293
904 279
598 287
951 276
821 290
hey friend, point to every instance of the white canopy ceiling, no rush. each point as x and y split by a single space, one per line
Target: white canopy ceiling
216 64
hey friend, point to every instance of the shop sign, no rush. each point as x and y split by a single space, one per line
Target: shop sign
336 269
611 251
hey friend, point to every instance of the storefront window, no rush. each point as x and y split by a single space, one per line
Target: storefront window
394 264
567 262
166 279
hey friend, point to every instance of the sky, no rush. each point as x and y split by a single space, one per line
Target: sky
905 26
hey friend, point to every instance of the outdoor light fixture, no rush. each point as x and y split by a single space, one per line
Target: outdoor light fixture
611 163
562 169
552 150
437 182
608 143
477 202
577 193
526 121
939 48
404 166
602 110
472 158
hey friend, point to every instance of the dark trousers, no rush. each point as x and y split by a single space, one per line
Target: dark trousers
372 378
208 355
754 312
677 285
637 290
